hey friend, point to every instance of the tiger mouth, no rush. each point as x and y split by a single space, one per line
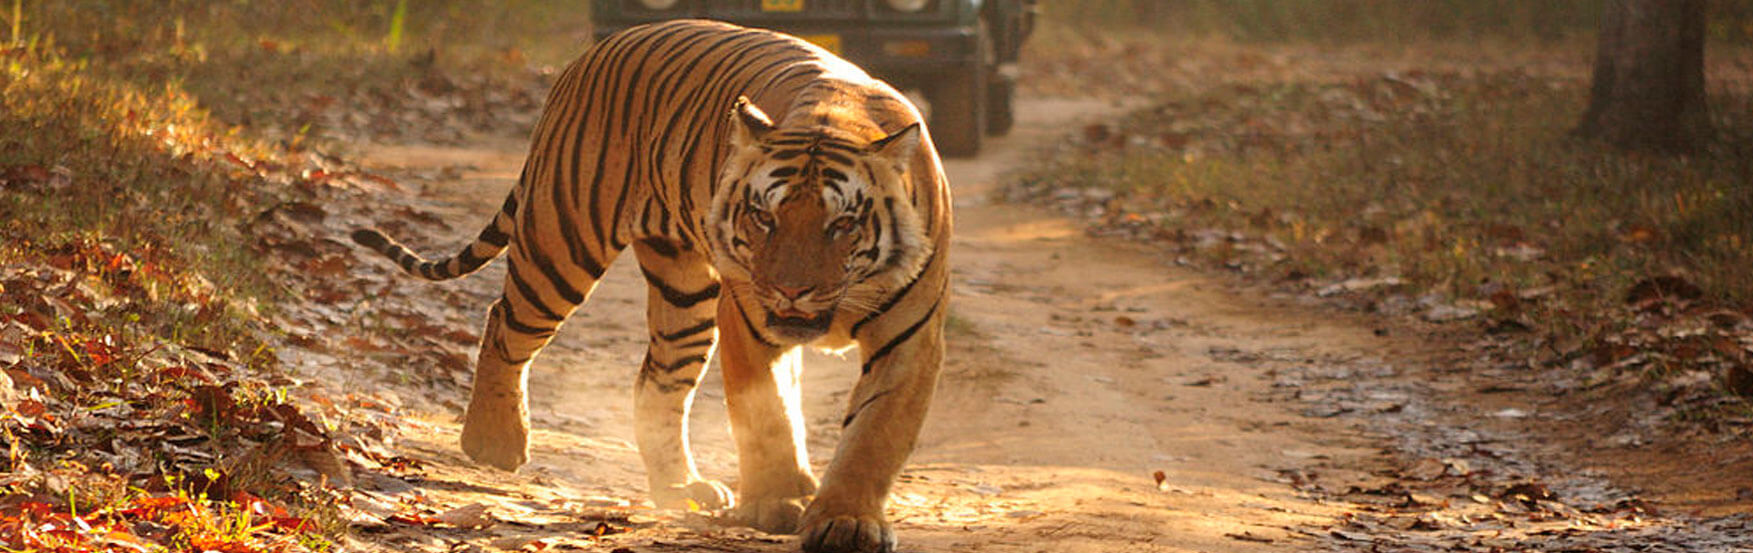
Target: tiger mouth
799 327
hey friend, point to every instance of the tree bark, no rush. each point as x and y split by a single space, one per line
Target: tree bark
1648 91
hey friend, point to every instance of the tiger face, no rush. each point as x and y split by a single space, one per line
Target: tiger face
810 224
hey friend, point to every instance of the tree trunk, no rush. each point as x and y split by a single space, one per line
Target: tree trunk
1648 92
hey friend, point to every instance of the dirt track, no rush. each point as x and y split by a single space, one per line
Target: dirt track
1077 369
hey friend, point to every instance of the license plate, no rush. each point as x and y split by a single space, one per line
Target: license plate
829 42
782 5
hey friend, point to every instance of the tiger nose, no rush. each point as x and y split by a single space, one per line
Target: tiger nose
793 292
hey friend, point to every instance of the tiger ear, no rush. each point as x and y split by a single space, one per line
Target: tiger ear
749 122
898 147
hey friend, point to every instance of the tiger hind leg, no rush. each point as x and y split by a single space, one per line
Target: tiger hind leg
539 294
681 307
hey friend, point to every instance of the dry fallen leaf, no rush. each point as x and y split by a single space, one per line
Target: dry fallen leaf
1665 287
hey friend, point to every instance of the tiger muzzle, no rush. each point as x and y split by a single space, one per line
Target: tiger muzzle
799 327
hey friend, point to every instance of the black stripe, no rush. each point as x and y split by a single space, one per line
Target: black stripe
876 232
837 144
589 263
371 238
644 218
530 297
511 322
703 342
749 327
904 336
499 312
870 254
676 366
661 247
493 236
849 416
895 299
663 217
647 376
556 281
702 326
676 297
510 205
468 261
834 157
894 223
505 357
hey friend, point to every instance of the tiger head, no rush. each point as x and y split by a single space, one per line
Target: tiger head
809 223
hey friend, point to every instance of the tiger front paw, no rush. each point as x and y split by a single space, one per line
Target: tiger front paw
848 534
705 495
496 436
774 515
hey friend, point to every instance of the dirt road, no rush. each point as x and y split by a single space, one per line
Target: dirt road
1078 370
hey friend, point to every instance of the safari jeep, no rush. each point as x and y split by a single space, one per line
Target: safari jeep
961 54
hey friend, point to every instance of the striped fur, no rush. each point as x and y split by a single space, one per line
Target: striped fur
825 224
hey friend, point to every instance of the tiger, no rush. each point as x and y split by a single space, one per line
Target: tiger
826 224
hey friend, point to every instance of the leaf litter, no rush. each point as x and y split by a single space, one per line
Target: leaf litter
1461 485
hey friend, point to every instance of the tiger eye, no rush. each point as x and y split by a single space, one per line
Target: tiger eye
762 219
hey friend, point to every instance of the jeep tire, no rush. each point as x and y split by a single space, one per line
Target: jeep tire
958 113
1000 104
958 102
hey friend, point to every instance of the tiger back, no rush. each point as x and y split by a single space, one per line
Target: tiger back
775 197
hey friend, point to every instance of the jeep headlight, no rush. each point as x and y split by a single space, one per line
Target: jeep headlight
658 5
908 6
